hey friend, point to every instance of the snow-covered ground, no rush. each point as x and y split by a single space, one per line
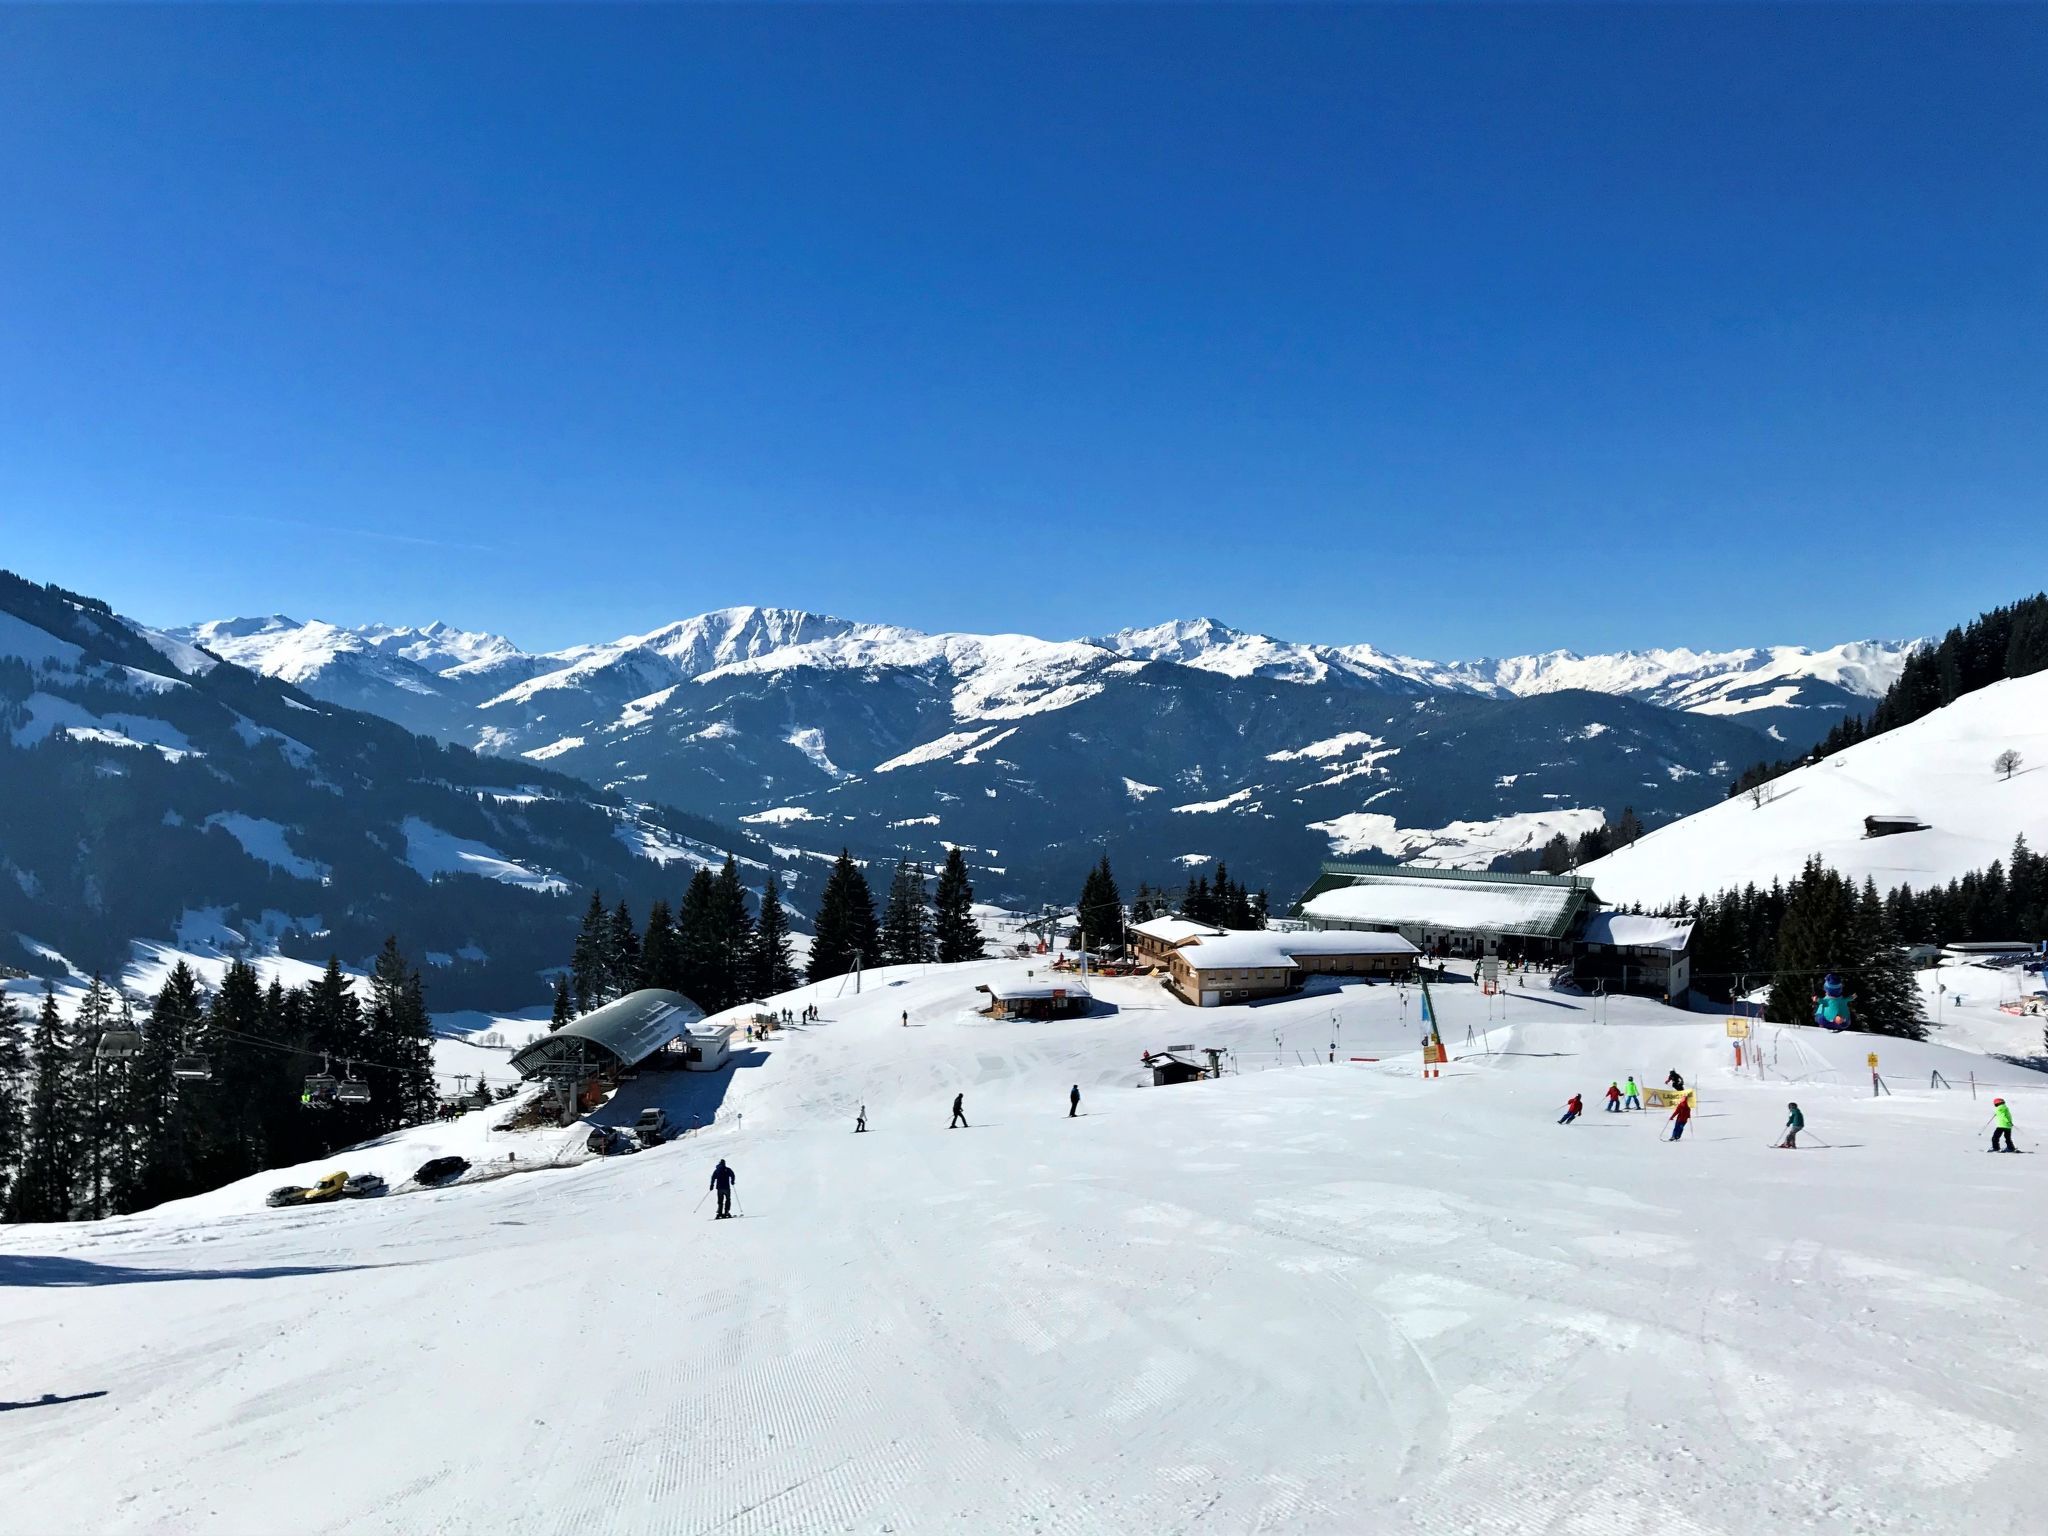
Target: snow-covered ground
1312 1296
1938 769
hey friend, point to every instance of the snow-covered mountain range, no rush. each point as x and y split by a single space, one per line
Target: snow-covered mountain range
151 791
1170 746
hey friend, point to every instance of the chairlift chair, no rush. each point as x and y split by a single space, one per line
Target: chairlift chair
119 1045
319 1090
353 1091
192 1069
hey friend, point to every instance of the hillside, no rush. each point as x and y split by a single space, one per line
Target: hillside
150 792
1937 768
1170 747
1307 1297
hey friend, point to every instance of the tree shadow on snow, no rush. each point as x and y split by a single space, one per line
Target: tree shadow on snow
51 1270
52 1400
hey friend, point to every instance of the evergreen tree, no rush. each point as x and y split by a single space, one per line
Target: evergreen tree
955 933
1628 829
14 1096
906 917
1557 855
565 1010
588 962
621 953
732 935
231 1145
125 1113
697 941
845 928
1887 993
661 959
99 1091
1100 911
401 1037
337 1037
773 971
47 1182
173 1029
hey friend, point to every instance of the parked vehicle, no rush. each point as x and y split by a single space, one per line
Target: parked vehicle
365 1186
652 1127
609 1141
285 1194
442 1170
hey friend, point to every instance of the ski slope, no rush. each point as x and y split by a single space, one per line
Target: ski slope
1937 769
1307 1297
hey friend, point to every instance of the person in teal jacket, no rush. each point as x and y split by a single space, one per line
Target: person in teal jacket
2002 1113
1794 1124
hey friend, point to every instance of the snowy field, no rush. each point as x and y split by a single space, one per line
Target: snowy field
1937 769
1308 1297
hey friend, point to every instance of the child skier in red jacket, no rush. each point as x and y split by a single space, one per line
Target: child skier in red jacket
1572 1110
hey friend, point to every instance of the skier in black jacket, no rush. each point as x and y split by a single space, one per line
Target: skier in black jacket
959 1113
722 1178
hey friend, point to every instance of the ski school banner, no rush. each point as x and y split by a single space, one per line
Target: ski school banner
1428 1013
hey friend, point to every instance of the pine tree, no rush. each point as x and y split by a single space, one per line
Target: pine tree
697 941
99 1091
621 953
661 961
1100 911
14 1096
565 1010
587 964
906 917
401 1036
1887 992
173 1029
125 1113
845 930
231 1145
773 971
47 1182
733 935
1628 829
955 933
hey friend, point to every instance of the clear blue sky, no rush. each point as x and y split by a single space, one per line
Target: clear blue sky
1456 330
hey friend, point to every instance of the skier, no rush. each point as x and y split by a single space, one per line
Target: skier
1795 1122
2002 1113
1673 1080
722 1180
1634 1099
1074 1101
860 1122
959 1111
906 1018
1574 1106
1679 1117
1614 1098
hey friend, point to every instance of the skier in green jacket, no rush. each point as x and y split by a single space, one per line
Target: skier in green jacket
2002 1113
1633 1100
1794 1124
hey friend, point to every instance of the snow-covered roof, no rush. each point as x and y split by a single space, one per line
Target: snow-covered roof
1634 932
625 1031
1019 991
1172 930
1266 949
1444 899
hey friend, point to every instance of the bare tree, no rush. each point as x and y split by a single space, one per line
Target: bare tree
2006 764
1763 794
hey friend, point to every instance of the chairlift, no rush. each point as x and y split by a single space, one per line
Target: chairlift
319 1091
353 1091
119 1045
192 1069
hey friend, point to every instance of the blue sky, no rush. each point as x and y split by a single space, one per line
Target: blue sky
1456 330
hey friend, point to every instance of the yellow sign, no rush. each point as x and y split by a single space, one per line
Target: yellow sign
1664 1098
1738 1029
1872 1059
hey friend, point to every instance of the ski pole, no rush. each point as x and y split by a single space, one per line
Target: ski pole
700 1202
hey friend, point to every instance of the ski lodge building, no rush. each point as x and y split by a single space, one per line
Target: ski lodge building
1155 940
607 1042
1235 966
1035 999
1462 913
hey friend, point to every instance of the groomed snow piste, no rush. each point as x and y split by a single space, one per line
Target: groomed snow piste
1309 1297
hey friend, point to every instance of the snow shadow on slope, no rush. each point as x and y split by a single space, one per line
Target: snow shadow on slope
50 1270
685 1095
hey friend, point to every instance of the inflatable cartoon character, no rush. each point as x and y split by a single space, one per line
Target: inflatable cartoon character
1831 1008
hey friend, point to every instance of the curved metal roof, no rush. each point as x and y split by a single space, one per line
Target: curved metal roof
623 1033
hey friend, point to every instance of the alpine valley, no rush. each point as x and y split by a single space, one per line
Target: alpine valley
1166 747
